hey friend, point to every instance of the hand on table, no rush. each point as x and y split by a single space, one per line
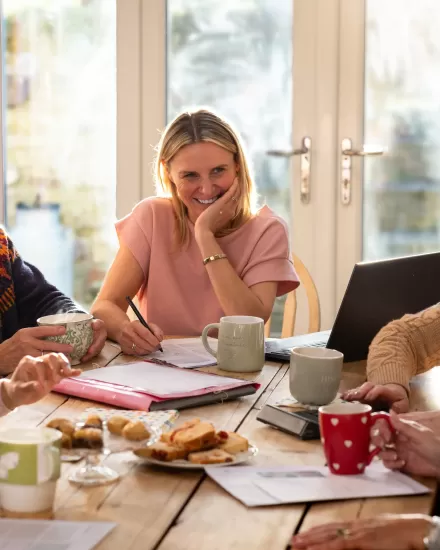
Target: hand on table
30 341
390 532
34 378
135 339
393 395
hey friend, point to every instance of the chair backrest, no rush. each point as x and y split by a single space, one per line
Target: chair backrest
290 305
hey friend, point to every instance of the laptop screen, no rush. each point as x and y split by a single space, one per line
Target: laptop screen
379 292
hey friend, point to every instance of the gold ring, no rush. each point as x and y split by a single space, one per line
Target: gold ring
343 533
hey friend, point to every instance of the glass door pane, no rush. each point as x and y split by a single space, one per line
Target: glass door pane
60 121
236 57
401 204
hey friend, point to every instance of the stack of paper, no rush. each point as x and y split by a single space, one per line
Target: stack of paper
186 353
36 534
255 486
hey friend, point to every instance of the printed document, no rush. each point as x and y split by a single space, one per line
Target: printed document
264 486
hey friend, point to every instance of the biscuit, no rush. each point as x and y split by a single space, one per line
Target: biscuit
200 436
62 425
214 456
93 421
66 441
87 438
135 431
234 443
161 451
116 423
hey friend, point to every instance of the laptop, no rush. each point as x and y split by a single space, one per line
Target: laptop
377 293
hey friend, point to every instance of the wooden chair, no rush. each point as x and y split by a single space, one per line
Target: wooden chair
290 306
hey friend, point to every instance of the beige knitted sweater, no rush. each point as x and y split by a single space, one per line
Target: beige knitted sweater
405 347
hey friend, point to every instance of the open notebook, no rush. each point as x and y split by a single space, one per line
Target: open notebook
148 386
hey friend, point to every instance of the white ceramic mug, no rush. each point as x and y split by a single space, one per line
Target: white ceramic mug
79 332
29 470
240 343
315 374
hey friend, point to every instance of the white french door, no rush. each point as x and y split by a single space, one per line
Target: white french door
270 68
388 99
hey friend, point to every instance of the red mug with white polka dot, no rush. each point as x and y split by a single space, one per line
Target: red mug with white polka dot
345 435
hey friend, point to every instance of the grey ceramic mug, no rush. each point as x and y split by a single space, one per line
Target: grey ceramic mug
315 374
240 343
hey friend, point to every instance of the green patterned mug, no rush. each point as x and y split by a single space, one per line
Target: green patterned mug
79 332
29 469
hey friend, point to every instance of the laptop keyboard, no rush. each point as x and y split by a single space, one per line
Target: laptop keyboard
274 347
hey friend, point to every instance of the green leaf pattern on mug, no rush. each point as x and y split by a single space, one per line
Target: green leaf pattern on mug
78 335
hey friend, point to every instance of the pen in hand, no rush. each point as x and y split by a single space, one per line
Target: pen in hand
139 316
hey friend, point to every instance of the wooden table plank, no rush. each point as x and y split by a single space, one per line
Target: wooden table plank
146 500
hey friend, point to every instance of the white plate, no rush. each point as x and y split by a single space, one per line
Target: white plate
240 458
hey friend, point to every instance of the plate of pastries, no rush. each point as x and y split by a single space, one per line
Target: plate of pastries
196 444
115 434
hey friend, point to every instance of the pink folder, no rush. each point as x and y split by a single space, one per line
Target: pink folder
129 398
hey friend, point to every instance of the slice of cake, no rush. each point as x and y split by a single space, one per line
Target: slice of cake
161 451
233 443
200 436
214 456
168 437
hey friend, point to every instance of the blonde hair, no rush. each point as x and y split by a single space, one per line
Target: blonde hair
195 127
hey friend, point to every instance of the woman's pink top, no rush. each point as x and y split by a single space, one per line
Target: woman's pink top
177 293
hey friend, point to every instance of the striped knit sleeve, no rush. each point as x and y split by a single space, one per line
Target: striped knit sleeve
404 348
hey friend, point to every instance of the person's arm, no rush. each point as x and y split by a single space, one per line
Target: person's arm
235 297
35 297
124 278
404 348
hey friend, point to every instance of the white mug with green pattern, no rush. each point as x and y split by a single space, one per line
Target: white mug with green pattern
29 469
79 332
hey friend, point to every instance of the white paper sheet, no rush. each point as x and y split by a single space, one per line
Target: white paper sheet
23 534
255 486
186 353
159 380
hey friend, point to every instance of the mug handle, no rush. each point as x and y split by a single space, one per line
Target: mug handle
205 338
377 416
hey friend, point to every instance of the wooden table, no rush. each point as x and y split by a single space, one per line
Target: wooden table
167 510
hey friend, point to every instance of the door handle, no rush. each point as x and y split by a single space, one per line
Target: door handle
347 154
305 162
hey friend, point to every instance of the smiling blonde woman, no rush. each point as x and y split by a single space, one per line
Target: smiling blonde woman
200 249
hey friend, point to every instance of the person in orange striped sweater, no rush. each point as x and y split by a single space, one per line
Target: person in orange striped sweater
402 349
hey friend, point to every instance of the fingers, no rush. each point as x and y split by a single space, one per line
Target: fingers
45 331
357 394
323 537
136 339
157 331
99 338
410 428
391 460
48 345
